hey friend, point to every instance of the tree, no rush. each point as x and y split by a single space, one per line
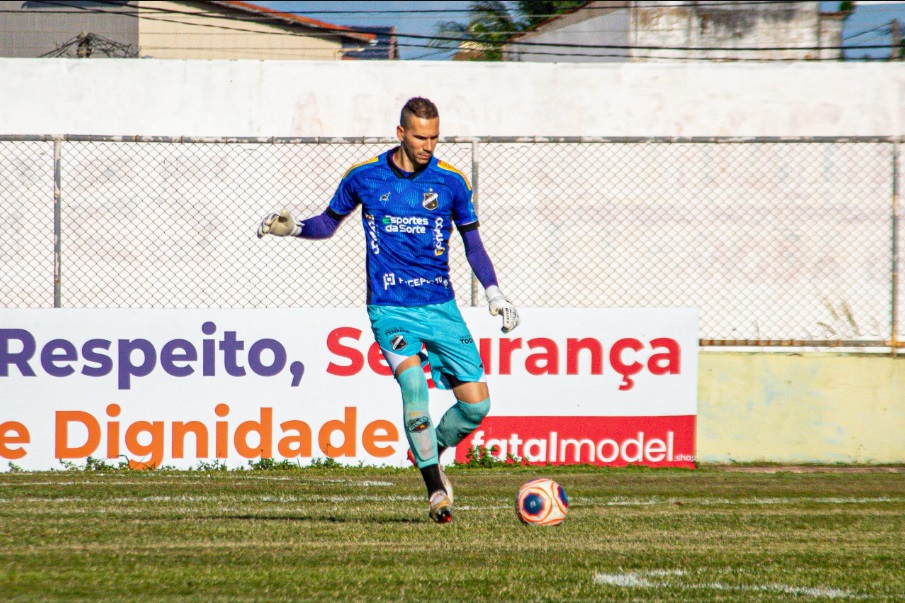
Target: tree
492 23
538 11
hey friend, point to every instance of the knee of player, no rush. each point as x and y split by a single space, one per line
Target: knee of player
476 411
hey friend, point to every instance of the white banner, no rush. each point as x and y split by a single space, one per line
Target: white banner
176 387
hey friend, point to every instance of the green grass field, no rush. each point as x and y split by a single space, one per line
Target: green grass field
362 534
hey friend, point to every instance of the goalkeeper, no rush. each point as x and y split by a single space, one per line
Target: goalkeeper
410 202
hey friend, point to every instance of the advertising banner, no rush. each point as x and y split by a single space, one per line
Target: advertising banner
179 387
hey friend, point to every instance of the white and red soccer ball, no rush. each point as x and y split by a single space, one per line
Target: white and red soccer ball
541 502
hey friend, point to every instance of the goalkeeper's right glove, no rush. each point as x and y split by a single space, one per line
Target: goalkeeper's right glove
499 305
280 225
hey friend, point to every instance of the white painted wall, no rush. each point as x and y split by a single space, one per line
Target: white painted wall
290 98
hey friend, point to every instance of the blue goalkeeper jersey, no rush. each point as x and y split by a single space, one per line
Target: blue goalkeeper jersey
408 219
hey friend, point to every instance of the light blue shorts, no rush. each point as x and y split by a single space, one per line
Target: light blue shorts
436 332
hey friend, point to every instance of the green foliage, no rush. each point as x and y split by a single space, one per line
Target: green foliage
273 465
93 464
326 463
538 11
491 24
215 465
481 456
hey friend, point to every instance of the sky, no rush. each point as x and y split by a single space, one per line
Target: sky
419 18
869 24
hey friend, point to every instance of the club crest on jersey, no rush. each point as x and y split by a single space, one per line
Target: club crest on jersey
430 200
398 342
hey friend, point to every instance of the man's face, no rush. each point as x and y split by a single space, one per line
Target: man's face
419 139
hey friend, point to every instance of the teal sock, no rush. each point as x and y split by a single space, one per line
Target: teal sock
460 420
419 430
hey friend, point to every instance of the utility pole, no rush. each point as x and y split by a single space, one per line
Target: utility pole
896 53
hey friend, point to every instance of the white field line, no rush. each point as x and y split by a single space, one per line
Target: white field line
656 579
352 482
348 482
90 483
214 498
635 502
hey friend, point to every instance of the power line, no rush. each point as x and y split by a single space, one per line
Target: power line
884 29
459 40
704 5
583 33
625 55
365 12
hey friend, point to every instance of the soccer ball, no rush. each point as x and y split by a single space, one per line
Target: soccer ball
541 502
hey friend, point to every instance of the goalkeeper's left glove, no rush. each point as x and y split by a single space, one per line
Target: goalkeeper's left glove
499 305
279 224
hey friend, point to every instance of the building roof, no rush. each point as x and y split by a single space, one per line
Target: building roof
290 19
384 49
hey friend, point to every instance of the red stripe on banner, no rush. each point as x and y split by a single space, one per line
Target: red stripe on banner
603 441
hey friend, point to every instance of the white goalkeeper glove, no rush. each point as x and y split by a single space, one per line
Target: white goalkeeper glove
499 305
279 224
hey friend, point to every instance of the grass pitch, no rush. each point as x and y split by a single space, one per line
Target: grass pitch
362 534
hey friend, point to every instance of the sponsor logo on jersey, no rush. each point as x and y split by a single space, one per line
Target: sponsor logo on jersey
421 281
406 225
389 280
385 197
430 200
439 248
372 231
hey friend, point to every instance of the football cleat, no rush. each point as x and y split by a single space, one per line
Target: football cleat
443 479
441 509
446 484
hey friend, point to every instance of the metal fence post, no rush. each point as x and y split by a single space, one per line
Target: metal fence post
475 290
57 222
894 334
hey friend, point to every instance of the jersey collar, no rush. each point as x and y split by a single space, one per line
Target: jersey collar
405 175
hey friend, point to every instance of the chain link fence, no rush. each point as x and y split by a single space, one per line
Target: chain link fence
777 241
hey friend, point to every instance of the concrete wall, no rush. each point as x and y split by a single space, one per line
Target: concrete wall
784 408
314 98
730 25
801 408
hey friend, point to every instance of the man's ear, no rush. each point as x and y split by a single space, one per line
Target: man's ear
400 133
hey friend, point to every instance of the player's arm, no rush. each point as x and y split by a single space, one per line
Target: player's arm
282 224
322 226
483 269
